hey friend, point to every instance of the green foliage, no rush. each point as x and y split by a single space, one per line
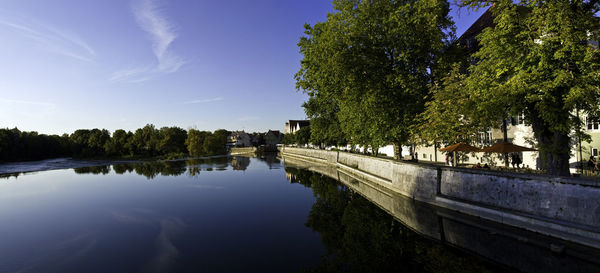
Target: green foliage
203 143
17 145
539 60
367 67
119 144
145 140
288 139
325 126
302 136
449 116
168 142
195 142
218 143
172 140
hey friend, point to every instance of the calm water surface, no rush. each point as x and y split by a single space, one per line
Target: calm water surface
222 215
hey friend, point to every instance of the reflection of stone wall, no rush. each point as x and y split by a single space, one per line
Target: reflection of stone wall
513 247
561 207
245 150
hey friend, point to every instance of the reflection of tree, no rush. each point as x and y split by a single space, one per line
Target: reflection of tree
298 176
9 175
240 163
270 158
122 168
360 237
193 170
93 170
150 169
196 165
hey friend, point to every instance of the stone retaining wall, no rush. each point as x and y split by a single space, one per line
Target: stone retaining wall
566 201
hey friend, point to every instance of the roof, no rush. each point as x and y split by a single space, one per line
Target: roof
468 38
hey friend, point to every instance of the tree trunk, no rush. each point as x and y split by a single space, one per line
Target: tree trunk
397 151
553 147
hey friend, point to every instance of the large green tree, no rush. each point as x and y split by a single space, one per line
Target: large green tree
195 142
119 144
372 60
172 140
325 126
145 140
541 58
449 116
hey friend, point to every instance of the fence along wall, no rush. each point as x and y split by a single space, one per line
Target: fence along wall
566 207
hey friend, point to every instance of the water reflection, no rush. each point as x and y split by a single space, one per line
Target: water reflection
93 170
360 237
250 219
108 219
240 163
366 228
191 167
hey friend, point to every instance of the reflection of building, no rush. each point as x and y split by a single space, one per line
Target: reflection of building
240 163
294 125
239 139
291 177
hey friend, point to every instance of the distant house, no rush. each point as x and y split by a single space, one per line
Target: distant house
294 125
273 137
239 139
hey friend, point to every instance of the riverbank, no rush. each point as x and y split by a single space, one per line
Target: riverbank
564 208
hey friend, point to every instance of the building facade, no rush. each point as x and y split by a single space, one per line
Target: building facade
293 126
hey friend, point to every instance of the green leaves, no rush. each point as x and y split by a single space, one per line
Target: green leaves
538 59
367 67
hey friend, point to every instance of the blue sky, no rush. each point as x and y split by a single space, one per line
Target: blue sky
71 64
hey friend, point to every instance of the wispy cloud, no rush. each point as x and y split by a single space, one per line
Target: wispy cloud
52 39
204 100
149 16
32 103
248 118
11 110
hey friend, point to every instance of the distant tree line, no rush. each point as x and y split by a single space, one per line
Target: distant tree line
167 142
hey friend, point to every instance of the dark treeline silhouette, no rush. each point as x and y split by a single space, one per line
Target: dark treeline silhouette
166 142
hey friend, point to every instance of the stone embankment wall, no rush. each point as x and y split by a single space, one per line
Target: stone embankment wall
563 207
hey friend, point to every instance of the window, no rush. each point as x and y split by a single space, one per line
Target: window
521 118
485 138
594 152
591 123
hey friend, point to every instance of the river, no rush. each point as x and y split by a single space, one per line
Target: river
241 214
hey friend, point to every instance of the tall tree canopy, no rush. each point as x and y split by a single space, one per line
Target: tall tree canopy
541 58
368 66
